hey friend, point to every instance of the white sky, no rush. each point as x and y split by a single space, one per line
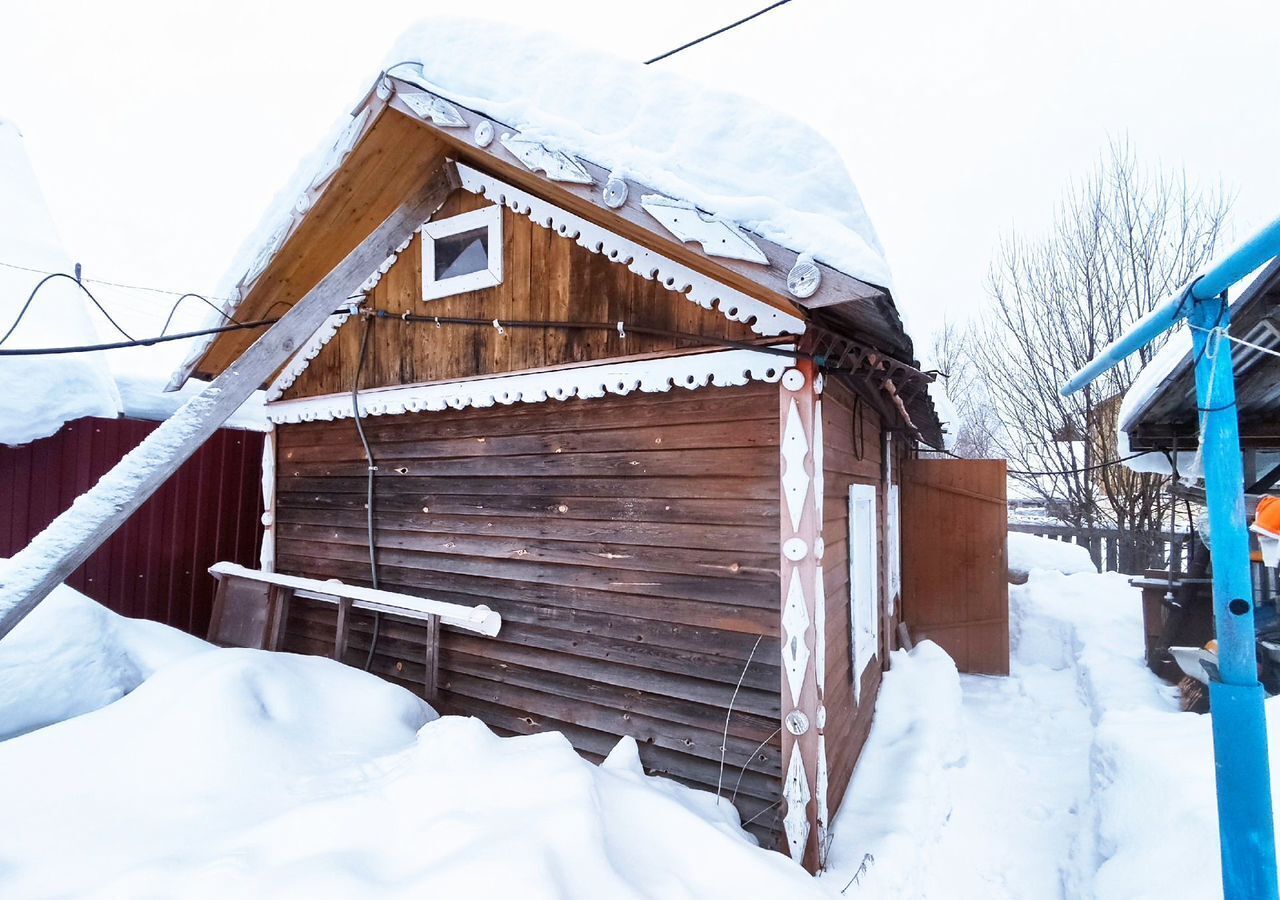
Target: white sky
161 131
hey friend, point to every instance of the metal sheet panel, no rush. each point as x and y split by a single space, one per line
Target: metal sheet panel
155 566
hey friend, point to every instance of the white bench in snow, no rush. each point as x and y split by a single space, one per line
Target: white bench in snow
480 619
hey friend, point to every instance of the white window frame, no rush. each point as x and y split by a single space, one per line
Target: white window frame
864 580
892 532
489 217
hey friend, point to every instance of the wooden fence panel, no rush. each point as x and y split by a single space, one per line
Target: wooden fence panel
955 588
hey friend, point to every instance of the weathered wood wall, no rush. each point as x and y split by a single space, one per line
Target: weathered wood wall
630 544
852 436
547 277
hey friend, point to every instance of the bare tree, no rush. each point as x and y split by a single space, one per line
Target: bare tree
1121 240
971 422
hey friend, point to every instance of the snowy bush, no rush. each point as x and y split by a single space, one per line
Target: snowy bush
1030 553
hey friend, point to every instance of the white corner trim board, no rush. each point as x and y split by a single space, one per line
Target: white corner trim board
706 292
720 368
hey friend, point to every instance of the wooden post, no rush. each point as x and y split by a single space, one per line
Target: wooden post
73 537
277 616
432 659
804 762
343 631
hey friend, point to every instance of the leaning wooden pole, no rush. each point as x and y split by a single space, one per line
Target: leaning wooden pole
72 538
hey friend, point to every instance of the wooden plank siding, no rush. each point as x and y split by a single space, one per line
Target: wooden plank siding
955 549
852 455
629 543
547 277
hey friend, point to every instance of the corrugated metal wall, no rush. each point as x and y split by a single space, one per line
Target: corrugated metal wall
155 567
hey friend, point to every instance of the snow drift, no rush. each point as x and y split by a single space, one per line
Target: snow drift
40 393
1029 553
245 773
900 795
72 656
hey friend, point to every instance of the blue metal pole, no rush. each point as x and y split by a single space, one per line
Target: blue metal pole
1260 248
1236 700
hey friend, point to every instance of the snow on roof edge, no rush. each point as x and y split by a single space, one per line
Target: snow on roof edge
508 111
1175 355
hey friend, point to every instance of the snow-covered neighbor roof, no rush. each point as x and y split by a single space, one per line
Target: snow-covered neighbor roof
1164 367
41 393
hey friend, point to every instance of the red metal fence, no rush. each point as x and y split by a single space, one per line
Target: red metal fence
155 567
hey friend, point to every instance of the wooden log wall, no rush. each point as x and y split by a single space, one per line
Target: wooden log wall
630 544
852 444
547 277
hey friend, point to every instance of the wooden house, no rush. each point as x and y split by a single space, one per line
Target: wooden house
663 448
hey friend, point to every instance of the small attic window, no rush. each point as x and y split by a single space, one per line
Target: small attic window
462 253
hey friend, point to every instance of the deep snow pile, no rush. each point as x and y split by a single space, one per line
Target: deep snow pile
900 795
39 393
72 656
245 773
1029 553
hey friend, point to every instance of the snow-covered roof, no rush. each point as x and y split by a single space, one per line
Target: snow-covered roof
1174 358
41 393
732 156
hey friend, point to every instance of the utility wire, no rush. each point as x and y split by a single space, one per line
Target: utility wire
51 277
718 31
1093 468
103 281
373 469
137 342
80 283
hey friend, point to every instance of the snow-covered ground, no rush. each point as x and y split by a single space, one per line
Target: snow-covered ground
1075 777
177 769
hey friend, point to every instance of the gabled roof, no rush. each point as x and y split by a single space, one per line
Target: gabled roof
723 187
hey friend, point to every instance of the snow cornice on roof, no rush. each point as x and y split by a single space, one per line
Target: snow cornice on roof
788 279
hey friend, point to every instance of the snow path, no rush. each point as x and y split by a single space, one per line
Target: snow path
1017 798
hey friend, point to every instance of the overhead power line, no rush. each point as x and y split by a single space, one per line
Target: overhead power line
718 31
1063 472
103 281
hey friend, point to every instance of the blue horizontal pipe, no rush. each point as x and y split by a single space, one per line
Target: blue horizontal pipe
1249 255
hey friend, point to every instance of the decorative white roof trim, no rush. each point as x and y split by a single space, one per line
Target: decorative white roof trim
538 157
718 368
309 351
706 292
717 236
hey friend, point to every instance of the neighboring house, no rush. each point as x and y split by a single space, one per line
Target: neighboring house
66 419
1159 413
638 385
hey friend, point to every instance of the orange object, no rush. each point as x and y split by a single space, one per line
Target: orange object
1267 518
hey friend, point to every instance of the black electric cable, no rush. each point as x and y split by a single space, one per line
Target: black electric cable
718 31
207 302
138 342
622 328
372 468
1064 472
45 280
